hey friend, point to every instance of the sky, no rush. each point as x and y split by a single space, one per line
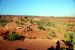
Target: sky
38 7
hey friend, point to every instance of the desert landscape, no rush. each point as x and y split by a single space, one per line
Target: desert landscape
36 33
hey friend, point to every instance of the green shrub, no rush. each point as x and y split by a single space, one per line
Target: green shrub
74 41
53 34
40 22
50 24
41 27
31 21
13 36
19 23
69 36
3 22
74 38
49 33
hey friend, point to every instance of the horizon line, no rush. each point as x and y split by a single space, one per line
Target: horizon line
36 15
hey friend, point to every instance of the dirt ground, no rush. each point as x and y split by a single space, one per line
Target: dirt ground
30 44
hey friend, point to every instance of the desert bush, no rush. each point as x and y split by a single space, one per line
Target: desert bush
70 25
74 38
19 23
69 36
53 34
40 22
3 22
41 27
50 24
32 22
49 33
13 36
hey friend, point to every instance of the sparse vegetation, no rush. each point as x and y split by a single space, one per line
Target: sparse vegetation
3 22
53 34
29 28
51 24
41 27
69 36
40 22
74 38
13 36
19 23
70 25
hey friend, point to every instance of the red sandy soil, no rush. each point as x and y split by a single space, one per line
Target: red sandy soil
30 44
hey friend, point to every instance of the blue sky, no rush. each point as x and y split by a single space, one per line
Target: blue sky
38 7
